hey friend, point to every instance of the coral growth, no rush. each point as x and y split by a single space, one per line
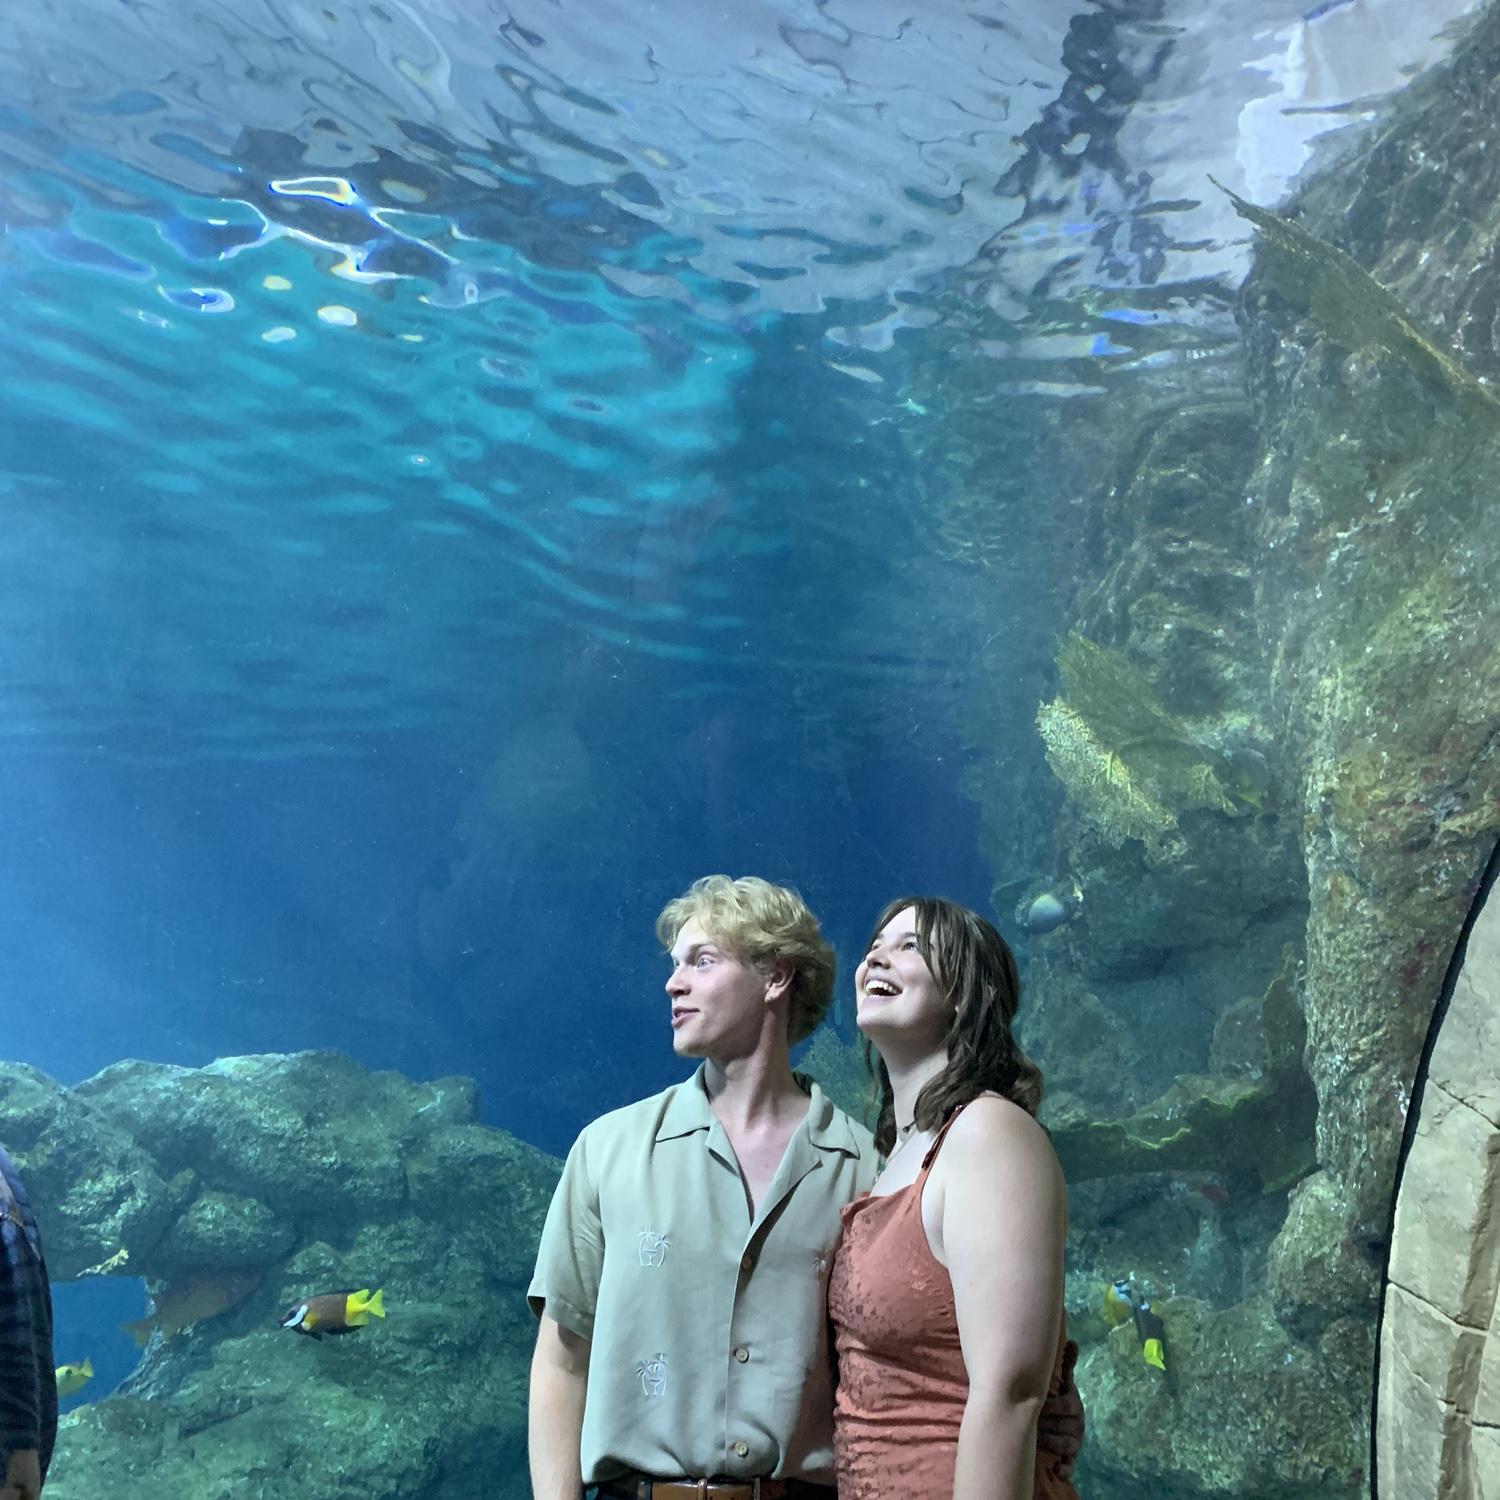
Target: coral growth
1351 305
1127 764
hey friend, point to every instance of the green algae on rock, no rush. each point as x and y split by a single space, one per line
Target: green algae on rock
1258 1414
1350 304
1200 1124
1127 764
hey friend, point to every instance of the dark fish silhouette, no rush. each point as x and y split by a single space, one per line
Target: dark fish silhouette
189 1302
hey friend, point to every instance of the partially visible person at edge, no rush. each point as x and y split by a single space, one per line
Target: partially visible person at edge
683 1350
28 1386
946 1292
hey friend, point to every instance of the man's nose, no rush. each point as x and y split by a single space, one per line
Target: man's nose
676 982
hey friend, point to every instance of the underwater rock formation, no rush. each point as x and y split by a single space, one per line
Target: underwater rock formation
1087 1049
1256 1413
1380 544
100 1188
841 1072
1260 1126
305 1174
1302 572
1173 824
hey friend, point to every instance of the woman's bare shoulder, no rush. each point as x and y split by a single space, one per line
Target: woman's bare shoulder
992 1125
993 1117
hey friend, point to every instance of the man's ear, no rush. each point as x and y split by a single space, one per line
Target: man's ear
779 978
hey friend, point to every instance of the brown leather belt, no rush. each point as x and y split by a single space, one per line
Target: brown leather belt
643 1488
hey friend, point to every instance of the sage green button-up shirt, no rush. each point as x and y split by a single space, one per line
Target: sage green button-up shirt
709 1332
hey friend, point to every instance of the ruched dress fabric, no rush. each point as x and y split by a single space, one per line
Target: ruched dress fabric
902 1382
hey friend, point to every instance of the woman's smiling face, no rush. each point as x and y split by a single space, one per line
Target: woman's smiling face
894 988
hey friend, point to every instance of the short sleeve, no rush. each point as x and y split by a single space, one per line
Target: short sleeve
570 1258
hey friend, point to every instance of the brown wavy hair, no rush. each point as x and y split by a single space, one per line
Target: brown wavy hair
978 972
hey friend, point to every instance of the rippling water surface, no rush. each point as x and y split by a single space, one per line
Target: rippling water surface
468 465
365 358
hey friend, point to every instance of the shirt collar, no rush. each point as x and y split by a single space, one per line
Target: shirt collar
828 1127
688 1110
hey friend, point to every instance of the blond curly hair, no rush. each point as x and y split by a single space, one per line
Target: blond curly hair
760 923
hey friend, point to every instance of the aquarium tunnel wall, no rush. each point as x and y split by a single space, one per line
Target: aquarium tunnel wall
1435 1413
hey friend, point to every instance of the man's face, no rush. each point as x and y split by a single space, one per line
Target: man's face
718 999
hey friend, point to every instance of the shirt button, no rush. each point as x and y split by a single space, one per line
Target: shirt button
742 1354
742 1449
746 1262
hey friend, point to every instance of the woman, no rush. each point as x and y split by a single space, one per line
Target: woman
946 1293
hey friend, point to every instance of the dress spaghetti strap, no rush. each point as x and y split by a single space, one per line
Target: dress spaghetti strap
931 1153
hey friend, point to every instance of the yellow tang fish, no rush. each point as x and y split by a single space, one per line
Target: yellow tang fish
72 1378
1118 1305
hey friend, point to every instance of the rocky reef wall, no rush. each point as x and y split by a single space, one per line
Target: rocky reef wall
240 1189
1270 842
1379 544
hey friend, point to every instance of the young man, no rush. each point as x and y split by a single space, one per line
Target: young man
682 1277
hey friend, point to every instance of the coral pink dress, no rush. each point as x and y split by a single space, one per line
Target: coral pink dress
902 1380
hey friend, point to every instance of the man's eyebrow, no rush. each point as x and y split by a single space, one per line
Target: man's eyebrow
695 949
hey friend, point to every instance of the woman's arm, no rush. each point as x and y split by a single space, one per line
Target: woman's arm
1004 1228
